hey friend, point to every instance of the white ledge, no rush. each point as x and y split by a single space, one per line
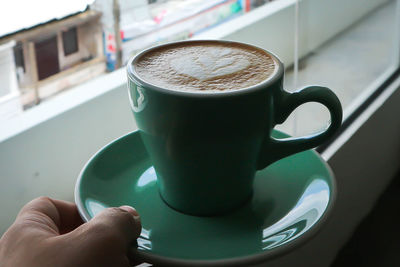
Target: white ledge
63 102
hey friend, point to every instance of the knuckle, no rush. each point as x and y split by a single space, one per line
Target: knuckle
46 198
43 199
34 205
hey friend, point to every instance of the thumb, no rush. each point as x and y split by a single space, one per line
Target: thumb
106 240
108 236
122 223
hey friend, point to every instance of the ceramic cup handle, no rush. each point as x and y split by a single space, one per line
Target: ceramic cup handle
275 149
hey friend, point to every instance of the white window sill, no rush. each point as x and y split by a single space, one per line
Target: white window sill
62 103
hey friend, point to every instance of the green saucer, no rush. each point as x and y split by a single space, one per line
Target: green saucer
292 199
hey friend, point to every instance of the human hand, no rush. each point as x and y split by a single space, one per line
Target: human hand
50 233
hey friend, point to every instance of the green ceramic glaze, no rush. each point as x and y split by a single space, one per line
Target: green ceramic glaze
291 199
207 146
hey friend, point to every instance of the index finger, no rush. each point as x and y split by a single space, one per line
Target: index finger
60 215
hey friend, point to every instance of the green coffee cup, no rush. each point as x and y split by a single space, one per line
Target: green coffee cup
206 145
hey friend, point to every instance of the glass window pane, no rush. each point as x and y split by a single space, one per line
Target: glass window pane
353 63
70 41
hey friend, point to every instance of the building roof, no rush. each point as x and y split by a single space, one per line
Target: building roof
52 26
19 15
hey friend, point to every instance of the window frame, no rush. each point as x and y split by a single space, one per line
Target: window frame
381 84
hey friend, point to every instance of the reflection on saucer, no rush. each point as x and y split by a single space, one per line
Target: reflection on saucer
147 177
144 240
94 206
303 216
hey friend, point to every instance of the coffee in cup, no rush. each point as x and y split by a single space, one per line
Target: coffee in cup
204 66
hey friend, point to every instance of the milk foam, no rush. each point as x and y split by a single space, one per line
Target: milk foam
205 66
213 63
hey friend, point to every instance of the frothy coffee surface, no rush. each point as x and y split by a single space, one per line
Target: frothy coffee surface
205 66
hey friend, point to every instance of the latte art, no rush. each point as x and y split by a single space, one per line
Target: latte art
205 66
218 62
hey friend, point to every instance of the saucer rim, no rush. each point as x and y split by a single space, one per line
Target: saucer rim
145 256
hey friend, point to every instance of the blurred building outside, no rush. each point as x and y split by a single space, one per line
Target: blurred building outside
40 61
56 55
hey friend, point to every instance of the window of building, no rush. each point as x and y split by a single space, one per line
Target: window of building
70 41
19 57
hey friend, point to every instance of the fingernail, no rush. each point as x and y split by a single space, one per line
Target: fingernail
132 211
128 208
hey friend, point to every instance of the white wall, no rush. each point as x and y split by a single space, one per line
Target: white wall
46 158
